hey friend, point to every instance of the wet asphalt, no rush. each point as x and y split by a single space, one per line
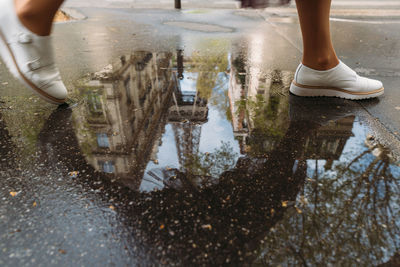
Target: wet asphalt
180 145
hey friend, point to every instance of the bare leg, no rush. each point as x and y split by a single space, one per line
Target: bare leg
37 15
318 51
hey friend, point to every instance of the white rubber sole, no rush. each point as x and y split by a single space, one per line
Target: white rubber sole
316 91
9 60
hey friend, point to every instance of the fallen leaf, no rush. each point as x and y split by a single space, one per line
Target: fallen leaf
272 211
162 226
62 251
299 211
34 204
73 174
13 194
111 207
303 200
284 203
206 226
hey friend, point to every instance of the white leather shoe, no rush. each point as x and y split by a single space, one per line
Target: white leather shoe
340 81
29 56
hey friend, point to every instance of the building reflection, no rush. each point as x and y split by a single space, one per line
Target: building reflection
187 113
259 106
124 114
127 106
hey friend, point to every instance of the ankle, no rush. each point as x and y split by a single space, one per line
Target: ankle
322 62
33 20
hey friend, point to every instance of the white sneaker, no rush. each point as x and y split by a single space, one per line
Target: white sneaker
340 81
29 56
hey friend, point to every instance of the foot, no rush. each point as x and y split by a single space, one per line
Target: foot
29 56
340 81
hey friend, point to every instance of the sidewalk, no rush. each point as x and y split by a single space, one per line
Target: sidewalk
342 5
182 146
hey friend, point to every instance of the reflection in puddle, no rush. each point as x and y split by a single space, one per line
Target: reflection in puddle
261 176
149 114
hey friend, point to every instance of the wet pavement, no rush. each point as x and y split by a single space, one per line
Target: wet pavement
182 146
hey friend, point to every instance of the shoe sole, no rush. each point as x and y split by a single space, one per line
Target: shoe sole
319 91
9 59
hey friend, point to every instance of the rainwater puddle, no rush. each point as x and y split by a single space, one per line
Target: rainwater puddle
205 158
235 168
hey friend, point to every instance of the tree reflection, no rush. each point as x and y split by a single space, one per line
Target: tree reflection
348 214
208 65
214 163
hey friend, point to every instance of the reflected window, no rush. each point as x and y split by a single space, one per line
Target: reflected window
332 146
102 140
94 102
148 87
133 123
146 124
273 106
107 166
127 86
142 100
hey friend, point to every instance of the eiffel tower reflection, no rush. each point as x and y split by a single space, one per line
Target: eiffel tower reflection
187 114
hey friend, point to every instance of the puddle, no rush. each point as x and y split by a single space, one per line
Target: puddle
279 178
206 159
